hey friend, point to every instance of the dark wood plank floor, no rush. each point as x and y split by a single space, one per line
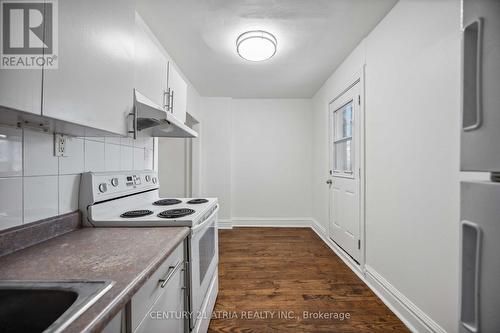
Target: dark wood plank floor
270 276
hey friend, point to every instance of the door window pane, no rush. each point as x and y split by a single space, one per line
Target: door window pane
339 160
342 138
348 158
347 121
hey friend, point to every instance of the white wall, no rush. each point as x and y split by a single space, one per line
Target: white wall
215 137
412 155
34 184
256 157
271 158
172 167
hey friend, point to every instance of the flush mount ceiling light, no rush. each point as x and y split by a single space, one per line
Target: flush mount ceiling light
256 45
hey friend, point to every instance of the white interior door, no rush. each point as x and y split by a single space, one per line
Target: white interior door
344 138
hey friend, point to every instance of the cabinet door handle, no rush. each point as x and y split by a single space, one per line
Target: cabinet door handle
166 99
471 255
171 271
471 75
172 102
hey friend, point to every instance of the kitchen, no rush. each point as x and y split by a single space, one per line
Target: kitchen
256 166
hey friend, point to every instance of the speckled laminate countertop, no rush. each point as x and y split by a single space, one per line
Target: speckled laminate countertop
128 256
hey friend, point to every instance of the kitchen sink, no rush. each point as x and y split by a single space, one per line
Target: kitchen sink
46 306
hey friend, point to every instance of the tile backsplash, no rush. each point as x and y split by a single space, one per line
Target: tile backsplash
35 184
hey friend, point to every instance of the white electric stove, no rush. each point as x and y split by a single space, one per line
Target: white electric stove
131 199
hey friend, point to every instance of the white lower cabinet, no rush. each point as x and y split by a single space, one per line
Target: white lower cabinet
117 324
159 305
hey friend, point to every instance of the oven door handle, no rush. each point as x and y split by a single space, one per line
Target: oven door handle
198 227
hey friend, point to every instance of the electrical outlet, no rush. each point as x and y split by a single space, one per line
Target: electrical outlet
60 143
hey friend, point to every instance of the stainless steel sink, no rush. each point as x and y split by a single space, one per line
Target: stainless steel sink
46 306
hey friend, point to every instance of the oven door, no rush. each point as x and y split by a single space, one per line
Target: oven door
204 258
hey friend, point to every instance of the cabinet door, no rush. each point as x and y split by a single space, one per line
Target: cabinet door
479 260
20 88
166 315
116 324
178 89
152 291
93 85
150 64
481 82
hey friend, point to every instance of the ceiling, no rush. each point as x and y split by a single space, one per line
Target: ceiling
314 37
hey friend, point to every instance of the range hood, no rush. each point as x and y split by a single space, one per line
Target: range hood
151 118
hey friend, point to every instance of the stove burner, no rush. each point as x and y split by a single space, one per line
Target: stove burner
197 201
173 213
167 202
137 213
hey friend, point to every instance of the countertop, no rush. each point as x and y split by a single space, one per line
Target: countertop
128 256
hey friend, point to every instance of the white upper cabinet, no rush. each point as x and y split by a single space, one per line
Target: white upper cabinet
155 77
93 85
480 86
150 64
20 87
177 89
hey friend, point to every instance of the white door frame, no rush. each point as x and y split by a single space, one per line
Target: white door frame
357 78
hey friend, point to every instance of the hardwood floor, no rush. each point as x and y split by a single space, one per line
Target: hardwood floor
270 278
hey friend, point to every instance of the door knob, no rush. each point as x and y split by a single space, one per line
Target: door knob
329 182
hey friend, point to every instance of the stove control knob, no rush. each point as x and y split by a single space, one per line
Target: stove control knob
155 180
103 187
148 178
114 182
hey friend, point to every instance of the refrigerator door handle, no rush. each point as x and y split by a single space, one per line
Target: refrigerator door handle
471 246
471 75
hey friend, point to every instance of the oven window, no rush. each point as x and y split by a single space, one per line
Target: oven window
207 250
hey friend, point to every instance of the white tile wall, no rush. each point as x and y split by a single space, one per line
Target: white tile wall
34 184
39 159
11 203
139 158
75 162
11 152
148 159
68 193
112 158
94 156
40 197
111 139
126 158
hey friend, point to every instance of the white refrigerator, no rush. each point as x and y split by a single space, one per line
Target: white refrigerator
480 152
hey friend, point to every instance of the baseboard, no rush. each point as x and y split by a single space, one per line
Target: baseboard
410 314
224 224
289 222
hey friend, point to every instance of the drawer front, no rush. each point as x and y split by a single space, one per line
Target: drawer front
166 314
144 299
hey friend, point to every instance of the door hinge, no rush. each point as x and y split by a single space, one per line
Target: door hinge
359 99
359 244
